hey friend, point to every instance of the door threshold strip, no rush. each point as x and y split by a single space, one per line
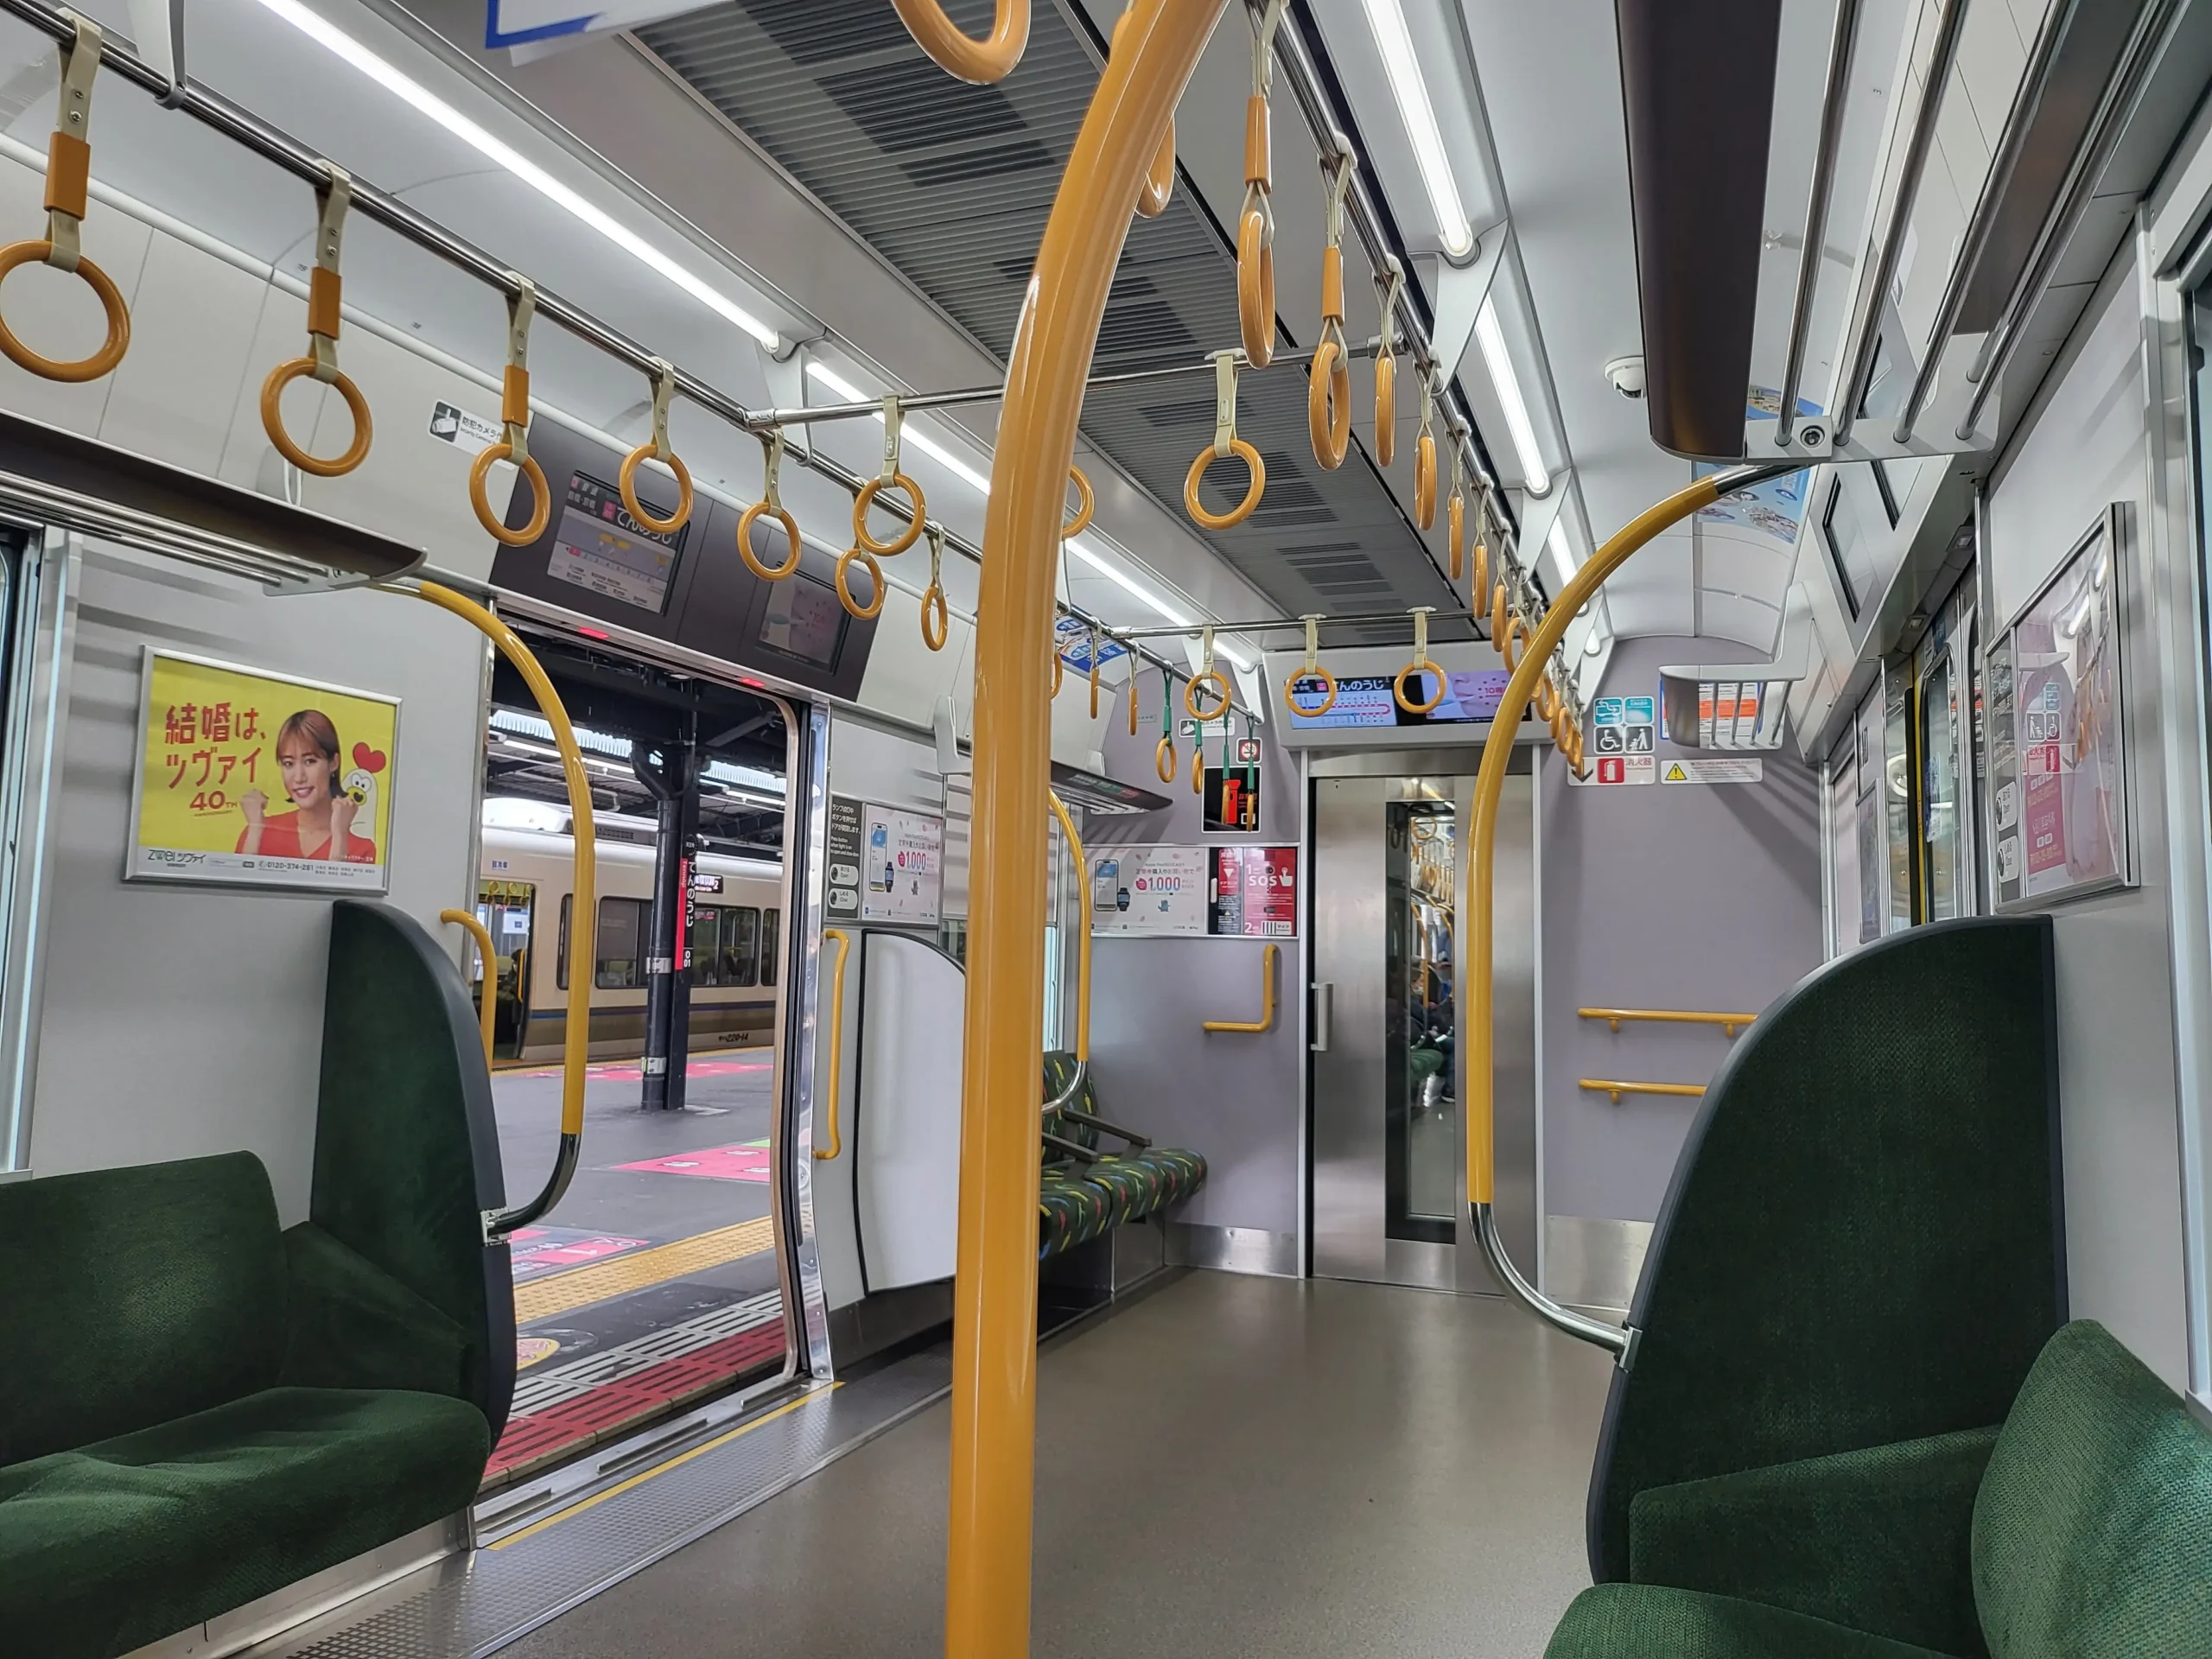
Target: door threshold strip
475 1604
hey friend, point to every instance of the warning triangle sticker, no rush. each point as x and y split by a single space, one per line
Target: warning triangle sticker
1677 775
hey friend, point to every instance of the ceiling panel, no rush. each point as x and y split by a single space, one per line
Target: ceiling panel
952 184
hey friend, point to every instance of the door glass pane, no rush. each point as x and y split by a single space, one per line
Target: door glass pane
1939 772
768 945
1422 1177
742 946
706 944
1897 798
505 908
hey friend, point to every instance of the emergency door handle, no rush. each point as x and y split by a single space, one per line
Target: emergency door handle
1325 1014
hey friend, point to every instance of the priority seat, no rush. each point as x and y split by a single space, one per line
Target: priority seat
2079 1529
1084 1192
198 1408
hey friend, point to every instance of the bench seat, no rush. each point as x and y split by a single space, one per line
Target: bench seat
209 1511
1079 1200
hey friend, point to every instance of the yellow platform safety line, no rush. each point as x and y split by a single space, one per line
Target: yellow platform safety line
993 1407
682 1458
541 1299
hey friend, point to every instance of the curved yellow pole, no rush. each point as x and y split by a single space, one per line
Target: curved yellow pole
994 1302
487 1004
824 1154
1476 1087
1082 939
576 1045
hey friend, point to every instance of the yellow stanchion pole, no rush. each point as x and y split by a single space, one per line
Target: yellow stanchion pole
994 1302
1082 939
1476 1086
575 1044
486 1005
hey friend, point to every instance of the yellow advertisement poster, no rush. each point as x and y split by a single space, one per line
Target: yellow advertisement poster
257 780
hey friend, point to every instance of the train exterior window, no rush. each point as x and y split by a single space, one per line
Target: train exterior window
769 920
742 946
620 949
705 940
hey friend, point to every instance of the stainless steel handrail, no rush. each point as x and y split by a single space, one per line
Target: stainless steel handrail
1620 1341
2035 81
1923 137
1833 104
2119 98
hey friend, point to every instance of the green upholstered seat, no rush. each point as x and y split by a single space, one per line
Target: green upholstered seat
128 1540
1081 1200
2093 1528
1624 1621
1860 1244
2081 1529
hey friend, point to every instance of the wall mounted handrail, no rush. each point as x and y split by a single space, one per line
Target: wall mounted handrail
1727 1022
1616 1088
1477 1089
837 1146
487 1004
576 1038
1268 958
992 1495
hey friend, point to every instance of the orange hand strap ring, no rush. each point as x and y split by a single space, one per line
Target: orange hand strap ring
771 505
1420 664
1225 443
1455 506
937 618
1256 220
962 56
1328 386
854 608
657 449
1425 457
68 179
1158 186
514 414
1479 583
889 478
1209 678
1084 502
320 363
1311 674
1386 367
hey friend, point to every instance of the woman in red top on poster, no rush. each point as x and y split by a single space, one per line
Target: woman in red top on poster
307 751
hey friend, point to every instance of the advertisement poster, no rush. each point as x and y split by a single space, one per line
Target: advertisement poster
2060 806
256 780
842 854
1149 891
902 866
1255 892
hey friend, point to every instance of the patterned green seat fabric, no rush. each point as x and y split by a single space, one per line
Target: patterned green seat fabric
1860 1245
1072 1212
2093 1531
1079 1200
128 1540
1645 1621
1879 1539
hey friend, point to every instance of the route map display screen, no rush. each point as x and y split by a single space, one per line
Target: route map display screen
1366 702
599 547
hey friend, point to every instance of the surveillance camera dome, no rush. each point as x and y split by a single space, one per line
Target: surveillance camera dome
1626 374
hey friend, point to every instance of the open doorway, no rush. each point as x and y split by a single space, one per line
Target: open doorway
653 1284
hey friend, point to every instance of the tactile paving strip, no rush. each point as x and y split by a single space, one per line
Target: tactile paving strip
475 1604
539 1300
597 1397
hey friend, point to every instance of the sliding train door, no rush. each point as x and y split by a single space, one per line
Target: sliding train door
1389 1137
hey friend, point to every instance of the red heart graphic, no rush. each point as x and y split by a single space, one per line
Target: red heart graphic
368 759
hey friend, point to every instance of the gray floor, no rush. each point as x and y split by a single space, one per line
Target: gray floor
1229 1467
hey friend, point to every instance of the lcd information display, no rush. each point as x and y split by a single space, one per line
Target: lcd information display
599 547
804 621
1366 702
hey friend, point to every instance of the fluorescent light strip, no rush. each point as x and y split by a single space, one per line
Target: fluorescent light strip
1403 66
1534 474
1562 550
848 393
413 92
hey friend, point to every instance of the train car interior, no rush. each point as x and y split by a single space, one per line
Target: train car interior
1277 828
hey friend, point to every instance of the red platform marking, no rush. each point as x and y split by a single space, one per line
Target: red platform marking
558 1248
542 1435
743 1160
